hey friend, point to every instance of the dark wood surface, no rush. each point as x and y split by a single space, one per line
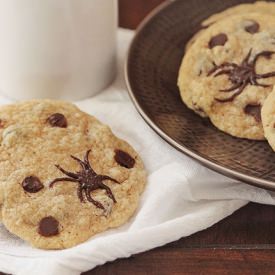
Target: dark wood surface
243 243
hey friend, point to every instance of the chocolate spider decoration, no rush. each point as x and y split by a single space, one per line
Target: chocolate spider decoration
241 75
88 180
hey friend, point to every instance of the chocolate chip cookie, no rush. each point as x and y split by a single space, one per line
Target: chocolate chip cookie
259 7
65 177
228 73
268 119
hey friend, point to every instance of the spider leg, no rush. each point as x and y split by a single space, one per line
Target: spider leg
80 191
267 75
222 66
108 191
103 177
67 173
246 59
228 99
61 179
213 70
82 164
266 54
221 72
234 87
87 162
86 157
94 202
85 165
240 90
228 64
256 83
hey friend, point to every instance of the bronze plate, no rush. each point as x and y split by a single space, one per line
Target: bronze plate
151 75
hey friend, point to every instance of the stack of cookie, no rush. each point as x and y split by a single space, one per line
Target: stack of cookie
228 71
64 175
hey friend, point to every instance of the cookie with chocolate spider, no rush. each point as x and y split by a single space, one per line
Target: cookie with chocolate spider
69 176
268 118
228 73
251 26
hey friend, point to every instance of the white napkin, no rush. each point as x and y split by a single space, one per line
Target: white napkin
181 197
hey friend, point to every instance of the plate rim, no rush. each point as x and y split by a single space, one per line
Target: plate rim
251 180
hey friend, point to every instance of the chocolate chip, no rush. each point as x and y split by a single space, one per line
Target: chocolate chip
2 123
32 184
124 159
254 110
57 120
253 28
217 40
48 227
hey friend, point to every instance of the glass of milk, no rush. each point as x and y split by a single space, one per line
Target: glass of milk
64 49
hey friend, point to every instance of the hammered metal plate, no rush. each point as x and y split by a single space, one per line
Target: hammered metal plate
151 75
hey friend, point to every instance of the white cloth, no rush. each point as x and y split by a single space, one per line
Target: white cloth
181 197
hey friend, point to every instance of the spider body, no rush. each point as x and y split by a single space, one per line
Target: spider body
88 180
241 75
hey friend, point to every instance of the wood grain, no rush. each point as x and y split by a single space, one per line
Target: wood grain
243 243
193 261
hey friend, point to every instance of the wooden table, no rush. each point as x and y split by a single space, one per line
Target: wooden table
243 243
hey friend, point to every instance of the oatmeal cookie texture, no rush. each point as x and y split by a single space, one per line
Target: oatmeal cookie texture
268 119
229 71
65 176
259 6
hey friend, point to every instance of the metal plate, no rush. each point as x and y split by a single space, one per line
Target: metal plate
151 75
